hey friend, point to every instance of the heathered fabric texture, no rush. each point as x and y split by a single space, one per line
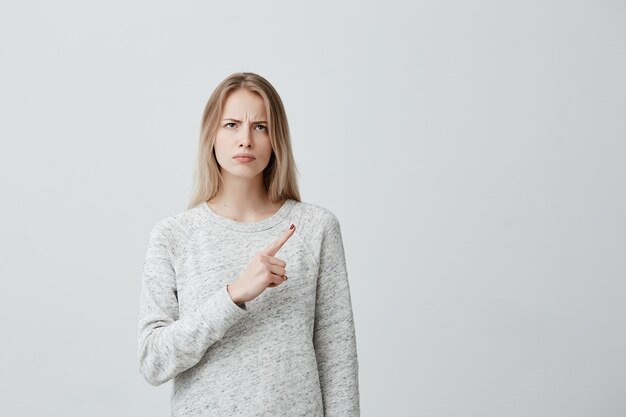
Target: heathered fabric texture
289 352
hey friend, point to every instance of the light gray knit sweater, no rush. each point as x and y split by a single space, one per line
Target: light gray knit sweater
289 352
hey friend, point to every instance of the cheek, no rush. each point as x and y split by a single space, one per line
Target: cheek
219 139
219 149
267 149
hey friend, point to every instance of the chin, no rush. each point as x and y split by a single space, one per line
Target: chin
244 172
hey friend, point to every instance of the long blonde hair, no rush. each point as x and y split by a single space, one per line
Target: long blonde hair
280 175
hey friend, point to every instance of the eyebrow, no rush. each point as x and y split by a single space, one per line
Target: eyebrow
239 121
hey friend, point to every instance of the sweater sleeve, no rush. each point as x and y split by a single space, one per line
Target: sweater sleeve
168 344
334 334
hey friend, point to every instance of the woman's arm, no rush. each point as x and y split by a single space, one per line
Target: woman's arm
334 335
168 345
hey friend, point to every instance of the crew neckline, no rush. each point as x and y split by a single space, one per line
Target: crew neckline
257 226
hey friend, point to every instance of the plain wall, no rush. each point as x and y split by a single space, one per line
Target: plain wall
474 153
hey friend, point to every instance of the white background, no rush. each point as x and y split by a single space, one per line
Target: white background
474 153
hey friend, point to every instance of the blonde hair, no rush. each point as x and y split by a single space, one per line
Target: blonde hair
280 175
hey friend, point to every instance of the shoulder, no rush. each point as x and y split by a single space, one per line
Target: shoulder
320 229
170 233
315 217
317 225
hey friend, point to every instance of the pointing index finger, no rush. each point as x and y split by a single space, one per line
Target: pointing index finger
278 243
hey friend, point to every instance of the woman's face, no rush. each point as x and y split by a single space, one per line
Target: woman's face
243 129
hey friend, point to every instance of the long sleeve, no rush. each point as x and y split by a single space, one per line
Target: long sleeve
334 334
168 345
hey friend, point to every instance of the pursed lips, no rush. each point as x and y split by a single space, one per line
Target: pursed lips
244 156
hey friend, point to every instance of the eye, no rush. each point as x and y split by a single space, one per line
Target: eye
264 127
230 123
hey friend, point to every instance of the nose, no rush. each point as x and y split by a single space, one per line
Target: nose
246 137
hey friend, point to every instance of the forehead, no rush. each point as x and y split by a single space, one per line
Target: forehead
244 103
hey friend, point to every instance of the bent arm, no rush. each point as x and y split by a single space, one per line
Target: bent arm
168 345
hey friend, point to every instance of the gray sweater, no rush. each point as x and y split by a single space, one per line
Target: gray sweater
289 352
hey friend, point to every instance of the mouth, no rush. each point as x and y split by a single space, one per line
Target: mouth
244 158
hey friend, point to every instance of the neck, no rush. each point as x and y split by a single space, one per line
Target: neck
243 199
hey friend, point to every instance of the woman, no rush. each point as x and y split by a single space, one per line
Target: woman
245 301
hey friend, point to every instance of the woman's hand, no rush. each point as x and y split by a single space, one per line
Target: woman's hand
263 271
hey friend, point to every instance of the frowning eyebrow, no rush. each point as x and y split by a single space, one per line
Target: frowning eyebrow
239 121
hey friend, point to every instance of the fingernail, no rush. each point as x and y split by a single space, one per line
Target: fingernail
292 226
